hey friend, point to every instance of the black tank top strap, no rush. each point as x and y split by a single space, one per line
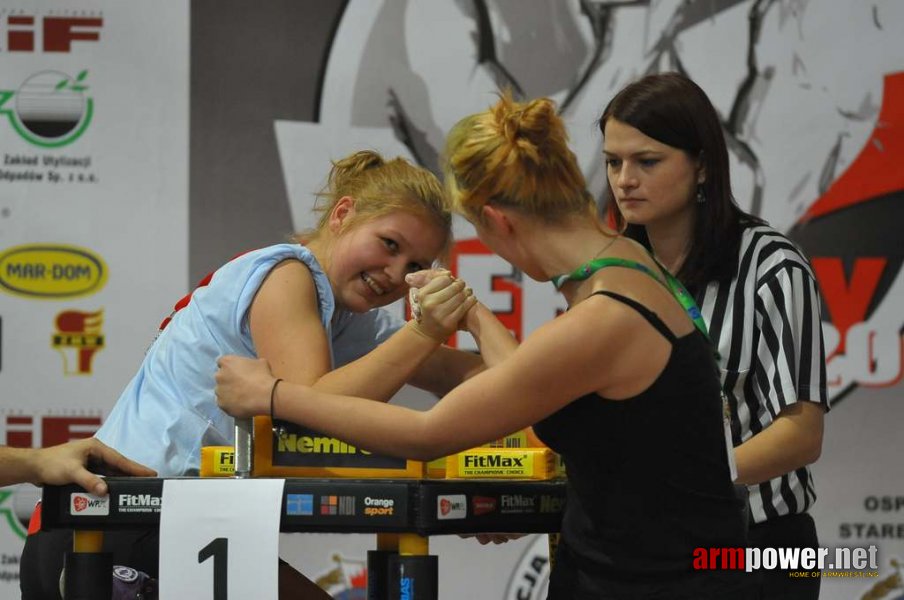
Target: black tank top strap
645 312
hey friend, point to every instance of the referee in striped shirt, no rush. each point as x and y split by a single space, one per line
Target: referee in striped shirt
669 188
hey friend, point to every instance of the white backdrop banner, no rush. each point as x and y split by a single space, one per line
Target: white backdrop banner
93 215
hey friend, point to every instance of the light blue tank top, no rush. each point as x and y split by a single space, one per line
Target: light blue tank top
169 410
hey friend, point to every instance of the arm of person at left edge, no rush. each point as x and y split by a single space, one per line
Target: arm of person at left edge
66 463
558 363
789 376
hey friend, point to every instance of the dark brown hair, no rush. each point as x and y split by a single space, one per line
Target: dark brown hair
674 110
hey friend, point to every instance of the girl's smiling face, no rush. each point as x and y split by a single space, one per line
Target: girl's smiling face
369 260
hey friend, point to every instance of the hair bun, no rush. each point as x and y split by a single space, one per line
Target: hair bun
515 154
354 164
525 127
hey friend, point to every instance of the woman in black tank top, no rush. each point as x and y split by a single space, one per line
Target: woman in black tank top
623 385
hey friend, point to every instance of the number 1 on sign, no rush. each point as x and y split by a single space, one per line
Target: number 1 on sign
219 550
207 524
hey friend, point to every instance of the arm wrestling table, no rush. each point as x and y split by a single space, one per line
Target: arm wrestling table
412 508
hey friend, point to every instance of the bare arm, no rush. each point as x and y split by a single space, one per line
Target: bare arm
65 463
792 441
558 363
286 329
445 369
495 341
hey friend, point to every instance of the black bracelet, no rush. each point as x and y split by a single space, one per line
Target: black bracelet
272 402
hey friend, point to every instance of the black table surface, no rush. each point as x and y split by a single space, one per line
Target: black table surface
423 506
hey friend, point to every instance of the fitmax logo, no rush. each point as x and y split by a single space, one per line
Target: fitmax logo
139 500
493 461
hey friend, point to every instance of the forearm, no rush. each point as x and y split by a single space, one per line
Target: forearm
379 374
17 465
495 341
445 369
792 441
381 428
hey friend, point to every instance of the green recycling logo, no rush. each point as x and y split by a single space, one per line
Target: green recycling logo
50 109
7 513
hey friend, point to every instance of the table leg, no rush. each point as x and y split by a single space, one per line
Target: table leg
413 574
378 565
88 570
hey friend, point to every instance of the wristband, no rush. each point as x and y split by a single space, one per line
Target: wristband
277 430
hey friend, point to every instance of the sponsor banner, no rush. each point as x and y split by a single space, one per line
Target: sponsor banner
483 505
78 336
82 504
452 506
31 430
345 506
300 504
93 218
303 447
322 503
137 503
51 271
94 172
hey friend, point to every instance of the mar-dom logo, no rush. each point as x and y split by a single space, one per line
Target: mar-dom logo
50 109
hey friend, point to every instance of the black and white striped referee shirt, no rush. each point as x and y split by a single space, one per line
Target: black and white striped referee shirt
766 324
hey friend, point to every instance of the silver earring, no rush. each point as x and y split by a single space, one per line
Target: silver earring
701 196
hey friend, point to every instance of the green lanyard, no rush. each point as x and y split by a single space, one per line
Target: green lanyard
675 287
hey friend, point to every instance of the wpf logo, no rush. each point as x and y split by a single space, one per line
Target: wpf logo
50 109
84 505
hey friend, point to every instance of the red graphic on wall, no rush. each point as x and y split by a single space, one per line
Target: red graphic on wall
504 283
78 338
22 431
852 235
877 169
57 32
